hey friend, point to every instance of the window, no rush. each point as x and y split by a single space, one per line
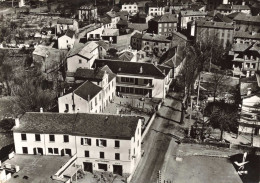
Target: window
102 155
100 96
91 106
117 156
160 25
56 151
25 150
86 141
86 154
117 143
151 9
50 150
67 107
66 138
95 101
97 36
23 136
37 137
80 61
146 81
67 41
101 142
52 138
160 30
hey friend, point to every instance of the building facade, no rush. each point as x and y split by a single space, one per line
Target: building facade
87 13
187 16
110 143
131 8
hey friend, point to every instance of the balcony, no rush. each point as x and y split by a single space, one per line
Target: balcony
133 85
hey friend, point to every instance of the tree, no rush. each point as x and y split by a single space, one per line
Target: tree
223 116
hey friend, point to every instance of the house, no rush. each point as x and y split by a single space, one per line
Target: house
139 78
163 25
87 13
114 18
141 27
63 24
110 35
136 41
247 23
96 142
249 121
97 90
156 9
246 37
231 8
246 58
131 8
189 15
224 32
82 56
67 41
128 55
103 48
154 43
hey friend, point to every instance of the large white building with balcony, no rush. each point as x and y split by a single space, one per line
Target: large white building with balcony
97 142
139 78
131 8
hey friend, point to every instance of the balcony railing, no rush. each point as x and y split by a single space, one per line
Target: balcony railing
133 85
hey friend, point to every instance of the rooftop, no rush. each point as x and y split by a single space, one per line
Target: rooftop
247 18
83 49
193 13
70 33
242 34
138 26
66 21
221 25
166 18
155 37
36 168
126 56
88 90
110 32
86 124
131 68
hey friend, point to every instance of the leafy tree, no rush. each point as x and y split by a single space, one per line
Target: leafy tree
223 116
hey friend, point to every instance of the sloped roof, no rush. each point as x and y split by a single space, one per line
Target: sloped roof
110 32
84 124
242 34
239 47
222 25
167 17
70 33
155 37
222 18
138 26
248 18
103 44
122 22
87 90
105 20
137 35
126 56
112 14
89 74
83 49
192 13
131 68
66 21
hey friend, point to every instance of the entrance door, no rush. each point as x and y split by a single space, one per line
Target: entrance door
136 81
118 169
40 151
102 166
88 167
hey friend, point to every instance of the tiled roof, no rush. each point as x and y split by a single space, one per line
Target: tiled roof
66 21
242 34
137 35
110 32
122 22
112 14
164 69
222 25
240 7
70 33
138 26
166 18
155 37
87 90
222 18
131 68
192 13
126 56
224 7
105 20
83 49
103 44
89 74
239 47
84 124
247 18
111 75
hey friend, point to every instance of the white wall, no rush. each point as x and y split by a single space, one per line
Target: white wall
159 88
98 31
65 41
73 63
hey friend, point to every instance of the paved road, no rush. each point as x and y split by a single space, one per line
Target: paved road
156 144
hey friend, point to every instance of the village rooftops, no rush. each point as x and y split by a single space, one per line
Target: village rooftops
126 56
244 47
87 90
83 124
155 38
65 21
210 24
94 74
192 13
223 18
247 18
83 49
110 32
228 7
247 35
131 68
138 26
166 18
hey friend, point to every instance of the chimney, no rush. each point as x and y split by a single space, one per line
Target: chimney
17 122
141 69
88 97
41 110
249 91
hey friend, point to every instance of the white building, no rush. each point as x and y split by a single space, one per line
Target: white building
156 10
64 24
87 13
82 56
93 95
67 40
98 142
114 18
189 16
139 78
131 8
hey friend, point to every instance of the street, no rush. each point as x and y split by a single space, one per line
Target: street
156 144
